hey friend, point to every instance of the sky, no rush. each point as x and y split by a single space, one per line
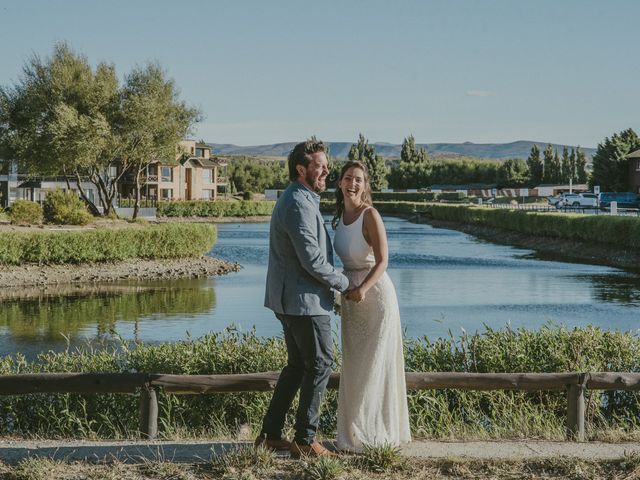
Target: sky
262 72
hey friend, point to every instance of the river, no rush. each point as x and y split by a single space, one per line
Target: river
447 281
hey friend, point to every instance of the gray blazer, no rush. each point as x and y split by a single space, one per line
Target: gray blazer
300 274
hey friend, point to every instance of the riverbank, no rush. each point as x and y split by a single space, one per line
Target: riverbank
29 275
547 248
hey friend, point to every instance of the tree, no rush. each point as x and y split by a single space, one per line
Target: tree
610 164
565 166
58 119
552 167
514 172
581 166
536 166
251 175
366 154
414 169
573 165
153 120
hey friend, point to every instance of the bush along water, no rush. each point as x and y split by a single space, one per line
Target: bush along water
605 229
65 208
243 208
433 413
25 212
169 240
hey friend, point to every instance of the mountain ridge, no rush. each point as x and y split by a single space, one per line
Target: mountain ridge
499 151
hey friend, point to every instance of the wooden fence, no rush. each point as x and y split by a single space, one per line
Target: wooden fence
575 384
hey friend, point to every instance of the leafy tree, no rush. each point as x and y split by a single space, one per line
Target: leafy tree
513 173
58 120
251 175
536 166
610 164
64 118
152 121
366 154
414 169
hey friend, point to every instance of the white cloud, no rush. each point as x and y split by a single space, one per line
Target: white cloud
480 93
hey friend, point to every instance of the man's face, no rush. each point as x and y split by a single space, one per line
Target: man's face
315 174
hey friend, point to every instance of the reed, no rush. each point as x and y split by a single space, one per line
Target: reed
433 413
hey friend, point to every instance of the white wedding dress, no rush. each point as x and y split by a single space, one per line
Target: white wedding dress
372 400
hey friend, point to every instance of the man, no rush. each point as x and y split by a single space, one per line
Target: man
300 277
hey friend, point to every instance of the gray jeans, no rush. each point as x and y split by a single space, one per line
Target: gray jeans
309 351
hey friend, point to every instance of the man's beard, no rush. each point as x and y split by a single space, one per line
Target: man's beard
317 185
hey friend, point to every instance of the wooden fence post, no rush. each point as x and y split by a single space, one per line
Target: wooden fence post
575 409
148 412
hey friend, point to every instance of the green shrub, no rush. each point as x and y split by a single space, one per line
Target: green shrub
406 196
219 208
436 413
24 212
247 195
169 240
65 208
605 229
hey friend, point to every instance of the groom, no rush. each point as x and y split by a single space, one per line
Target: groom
299 282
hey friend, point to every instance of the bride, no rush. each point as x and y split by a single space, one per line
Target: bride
372 399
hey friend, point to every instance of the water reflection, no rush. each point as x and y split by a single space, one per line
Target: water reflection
57 312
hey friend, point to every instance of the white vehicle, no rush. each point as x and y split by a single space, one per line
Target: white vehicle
584 200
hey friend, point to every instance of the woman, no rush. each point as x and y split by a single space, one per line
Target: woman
372 400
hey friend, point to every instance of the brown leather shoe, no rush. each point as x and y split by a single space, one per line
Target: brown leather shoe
313 450
271 444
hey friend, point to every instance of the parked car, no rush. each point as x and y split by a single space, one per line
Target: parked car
584 200
624 199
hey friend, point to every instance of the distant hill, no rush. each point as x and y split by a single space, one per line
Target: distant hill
519 149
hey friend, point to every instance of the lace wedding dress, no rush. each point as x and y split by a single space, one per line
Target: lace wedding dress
372 400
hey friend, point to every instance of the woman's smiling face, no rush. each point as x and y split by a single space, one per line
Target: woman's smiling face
352 184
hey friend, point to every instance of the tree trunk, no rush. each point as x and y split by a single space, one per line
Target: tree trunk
105 198
136 206
92 207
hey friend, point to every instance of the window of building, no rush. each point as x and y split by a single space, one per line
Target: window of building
199 152
167 174
206 195
113 171
166 193
207 175
638 165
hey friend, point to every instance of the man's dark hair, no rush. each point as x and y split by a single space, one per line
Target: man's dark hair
301 155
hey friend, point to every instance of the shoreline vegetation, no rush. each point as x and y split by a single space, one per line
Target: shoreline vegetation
434 414
107 252
185 231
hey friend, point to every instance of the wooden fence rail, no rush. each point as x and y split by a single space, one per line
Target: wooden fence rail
575 384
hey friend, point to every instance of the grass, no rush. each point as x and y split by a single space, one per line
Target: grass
380 458
243 459
323 469
169 240
435 414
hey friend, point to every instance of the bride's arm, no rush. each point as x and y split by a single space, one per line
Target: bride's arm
376 236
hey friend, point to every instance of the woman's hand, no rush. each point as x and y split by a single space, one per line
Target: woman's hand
356 295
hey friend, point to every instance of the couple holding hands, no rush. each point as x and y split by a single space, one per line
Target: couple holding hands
372 401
